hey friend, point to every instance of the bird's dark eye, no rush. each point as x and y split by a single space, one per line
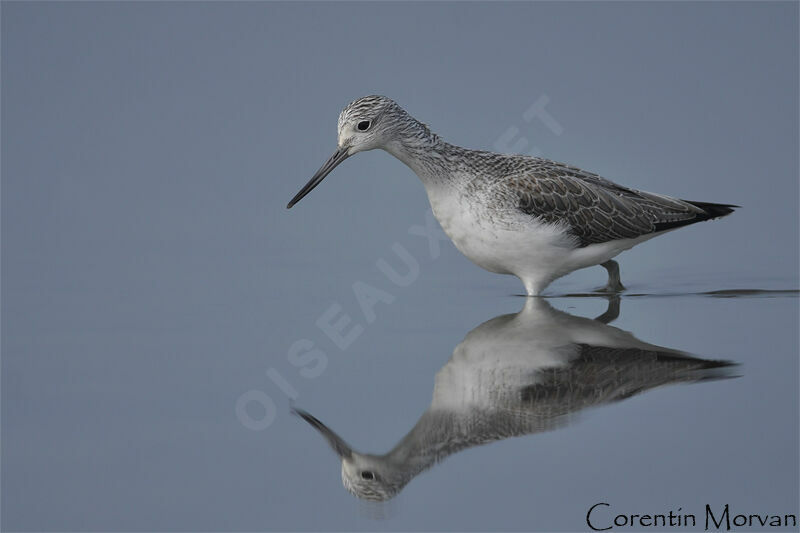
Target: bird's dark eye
363 126
366 474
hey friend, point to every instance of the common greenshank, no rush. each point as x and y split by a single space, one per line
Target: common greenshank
514 214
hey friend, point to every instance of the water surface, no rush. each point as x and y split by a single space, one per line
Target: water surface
162 312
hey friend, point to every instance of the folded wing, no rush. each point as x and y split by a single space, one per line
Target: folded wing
596 210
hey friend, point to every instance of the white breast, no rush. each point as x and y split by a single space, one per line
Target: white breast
499 241
474 235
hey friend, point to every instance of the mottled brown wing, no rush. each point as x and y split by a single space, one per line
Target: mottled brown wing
596 210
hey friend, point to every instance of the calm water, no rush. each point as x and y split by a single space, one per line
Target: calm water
120 419
162 312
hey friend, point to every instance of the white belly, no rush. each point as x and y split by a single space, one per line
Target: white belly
511 243
497 241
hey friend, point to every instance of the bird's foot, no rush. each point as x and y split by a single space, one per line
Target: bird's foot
614 285
612 313
611 288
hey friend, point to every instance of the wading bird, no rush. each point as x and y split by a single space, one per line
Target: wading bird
514 214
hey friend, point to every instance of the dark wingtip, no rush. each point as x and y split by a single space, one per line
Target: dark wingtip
710 212
289 205
715 210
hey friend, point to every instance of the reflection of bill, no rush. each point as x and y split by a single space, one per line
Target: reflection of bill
516 375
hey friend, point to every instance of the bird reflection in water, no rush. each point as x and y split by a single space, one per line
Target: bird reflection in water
516 375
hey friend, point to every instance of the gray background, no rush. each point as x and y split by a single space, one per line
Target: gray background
151 273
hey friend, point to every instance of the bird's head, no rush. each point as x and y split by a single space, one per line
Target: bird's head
368 477
368 123
364 124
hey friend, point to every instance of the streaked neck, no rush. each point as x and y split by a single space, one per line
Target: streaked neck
428 156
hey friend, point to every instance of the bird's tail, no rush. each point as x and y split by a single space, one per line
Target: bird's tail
714 210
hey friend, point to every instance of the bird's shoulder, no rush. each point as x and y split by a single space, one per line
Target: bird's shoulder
544 175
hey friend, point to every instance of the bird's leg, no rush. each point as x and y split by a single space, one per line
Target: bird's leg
614 284
533 286
612 312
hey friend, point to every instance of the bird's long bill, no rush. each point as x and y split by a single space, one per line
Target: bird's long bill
337 157
341 448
